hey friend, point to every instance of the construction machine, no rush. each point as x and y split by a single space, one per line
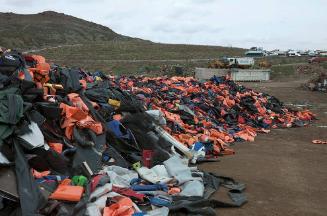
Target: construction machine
217 64
264 64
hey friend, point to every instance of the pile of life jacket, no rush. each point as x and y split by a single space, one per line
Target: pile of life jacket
216 112
79 143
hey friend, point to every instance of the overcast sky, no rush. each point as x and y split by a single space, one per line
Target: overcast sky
297 24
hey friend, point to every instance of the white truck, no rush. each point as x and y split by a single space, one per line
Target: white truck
245 62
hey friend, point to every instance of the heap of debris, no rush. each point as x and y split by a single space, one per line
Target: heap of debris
219 110
317 77
80 143
318 82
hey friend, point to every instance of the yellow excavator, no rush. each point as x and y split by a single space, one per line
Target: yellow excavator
217 64
264 64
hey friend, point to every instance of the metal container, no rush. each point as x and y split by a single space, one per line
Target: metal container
250 74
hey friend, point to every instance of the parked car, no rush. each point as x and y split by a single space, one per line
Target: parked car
293 53
317 59
312 53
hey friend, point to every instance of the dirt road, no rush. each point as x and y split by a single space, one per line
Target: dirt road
50 48
285 174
